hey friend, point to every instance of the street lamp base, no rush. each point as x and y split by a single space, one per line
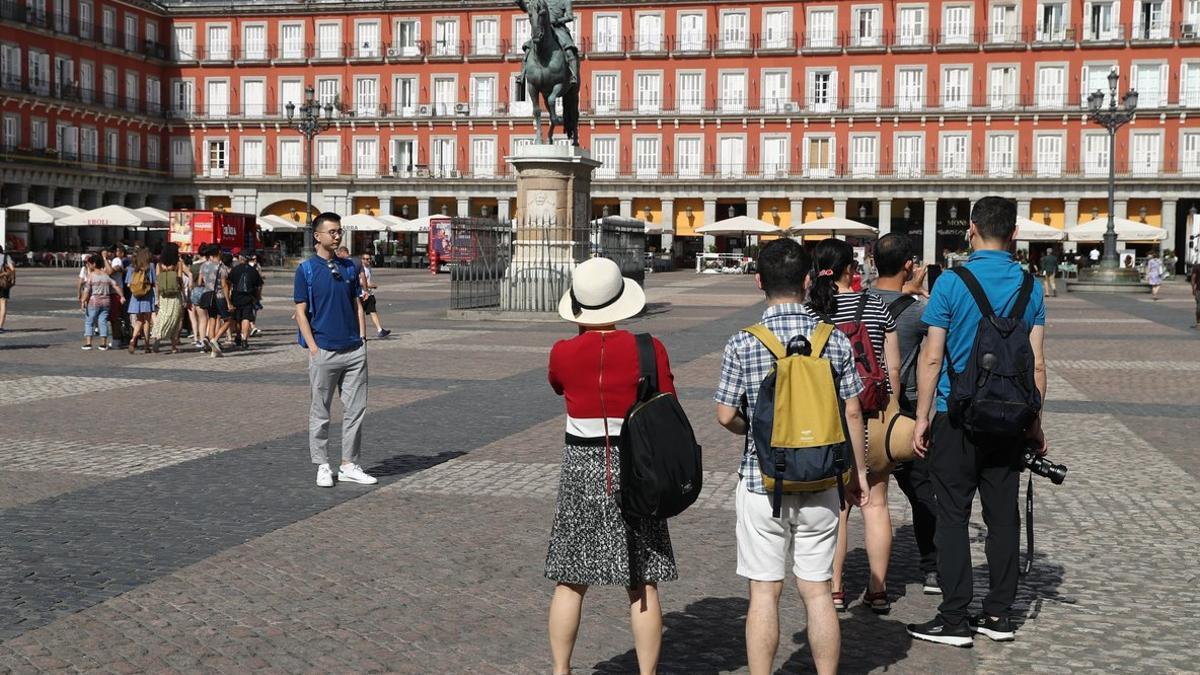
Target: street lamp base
1102 279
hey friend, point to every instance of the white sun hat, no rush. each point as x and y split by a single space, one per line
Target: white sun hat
600 296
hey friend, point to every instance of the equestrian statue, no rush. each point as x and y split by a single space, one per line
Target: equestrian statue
551 67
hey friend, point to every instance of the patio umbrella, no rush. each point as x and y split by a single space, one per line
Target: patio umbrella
739 225
68 210
1127 230
112 215
421 224
157 215
831 226
364 222
39 214
1031 230
272 223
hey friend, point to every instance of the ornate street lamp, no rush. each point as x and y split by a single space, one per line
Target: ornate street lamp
1111 118
310 123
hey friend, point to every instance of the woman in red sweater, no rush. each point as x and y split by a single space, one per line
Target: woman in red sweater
591 542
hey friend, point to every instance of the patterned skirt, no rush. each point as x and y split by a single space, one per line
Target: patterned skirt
169 319
591 542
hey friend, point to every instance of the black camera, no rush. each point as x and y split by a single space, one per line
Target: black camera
1043 467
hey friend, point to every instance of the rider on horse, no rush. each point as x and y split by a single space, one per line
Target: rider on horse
560 16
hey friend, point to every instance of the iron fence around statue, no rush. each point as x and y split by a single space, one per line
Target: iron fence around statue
525 266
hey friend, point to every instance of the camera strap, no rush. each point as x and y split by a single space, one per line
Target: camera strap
1028 525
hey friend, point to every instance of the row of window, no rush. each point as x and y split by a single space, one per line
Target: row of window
816 155
69 80
735 91
129 30
912 26
82 142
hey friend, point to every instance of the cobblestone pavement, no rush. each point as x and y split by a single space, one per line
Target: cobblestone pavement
158 513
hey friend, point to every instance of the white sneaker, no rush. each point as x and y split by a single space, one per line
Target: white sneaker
355 474
324 476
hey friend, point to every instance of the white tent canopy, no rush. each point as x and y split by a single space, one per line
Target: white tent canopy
68 210
364 222
739 225
830 226
272 223
1031 230
111 216
1127 230
157 215
39 214
421 224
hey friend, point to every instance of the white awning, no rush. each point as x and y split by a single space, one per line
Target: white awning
113 215
831 226
38 214
1031 230
739 225
1127 230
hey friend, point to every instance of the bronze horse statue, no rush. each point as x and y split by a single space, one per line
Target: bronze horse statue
548 71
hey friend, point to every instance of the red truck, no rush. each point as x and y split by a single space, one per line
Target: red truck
232 231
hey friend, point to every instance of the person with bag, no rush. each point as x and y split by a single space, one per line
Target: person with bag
789 385
199 315
245 285
172 275
8 279
591 541
140 278
897 285
864 319
96 298
982 369
213 303
332 327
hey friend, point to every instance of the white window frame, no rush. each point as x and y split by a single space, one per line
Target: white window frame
436 86
1189 158
726 103
862 100
649 100
821 36
481 43
1189 94
409 169
446 41
484 106
961 100
328 47
735 38
691 39
400 35
954 166
484 167
215 110
873 36
1009 31
1001 169
828 103
610 162
248 168
441 165
399 107
1050 100
732 167
692 101
326 163
251 109
647 164
285 169
779 101
211 171
917 34
366 165
908 165
1055 32
777 37
602 102
649 42
222 52
819 172
296 49
863 167
907 101
370 106
1002 96
1093 153
689 165
605 39
1144 100
775 167
1048 167
962 33
1136 165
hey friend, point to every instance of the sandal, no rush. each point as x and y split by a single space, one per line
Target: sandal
878 602
839 601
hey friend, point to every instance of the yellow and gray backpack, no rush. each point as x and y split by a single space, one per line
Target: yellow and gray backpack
798 425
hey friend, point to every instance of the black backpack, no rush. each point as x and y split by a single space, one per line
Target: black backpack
660 459
245 281
909 365
995 394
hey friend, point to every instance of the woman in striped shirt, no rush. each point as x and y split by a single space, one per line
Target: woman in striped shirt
833 299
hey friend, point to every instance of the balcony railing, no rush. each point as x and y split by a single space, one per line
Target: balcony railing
66 24
75 158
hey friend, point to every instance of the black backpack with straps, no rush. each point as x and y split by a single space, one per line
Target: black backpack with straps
660 458
995 393
908 366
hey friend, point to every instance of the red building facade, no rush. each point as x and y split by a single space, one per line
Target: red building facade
896 113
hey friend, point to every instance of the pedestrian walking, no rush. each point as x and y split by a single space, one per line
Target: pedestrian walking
8 279
591 543
171 280
254 262
245 284
140 278
1048 266
962 458
808 523
199 315
120 264
894 286
368 298
330 318
96 298
1154 274
214 277
832 297
1194 279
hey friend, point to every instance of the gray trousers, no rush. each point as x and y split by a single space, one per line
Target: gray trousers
345 372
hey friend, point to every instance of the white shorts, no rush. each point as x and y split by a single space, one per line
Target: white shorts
808 525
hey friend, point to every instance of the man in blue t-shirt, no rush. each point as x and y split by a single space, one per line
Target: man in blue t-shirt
332 325
960 462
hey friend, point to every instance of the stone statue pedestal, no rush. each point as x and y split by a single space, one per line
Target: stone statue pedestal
550 231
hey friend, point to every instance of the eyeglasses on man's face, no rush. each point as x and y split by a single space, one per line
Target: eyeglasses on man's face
336 234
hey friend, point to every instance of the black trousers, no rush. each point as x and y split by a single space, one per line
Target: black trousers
914 482
960 464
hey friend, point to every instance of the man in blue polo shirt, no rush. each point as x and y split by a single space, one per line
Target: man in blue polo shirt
332 324
961 462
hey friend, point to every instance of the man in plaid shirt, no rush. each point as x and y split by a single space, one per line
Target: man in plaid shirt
809 522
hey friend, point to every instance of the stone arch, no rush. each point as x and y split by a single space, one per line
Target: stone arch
285 207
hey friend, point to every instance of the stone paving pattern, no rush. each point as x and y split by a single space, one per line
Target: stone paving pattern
158 513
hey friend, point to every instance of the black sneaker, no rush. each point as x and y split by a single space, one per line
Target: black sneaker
999 630
933 585
943 633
